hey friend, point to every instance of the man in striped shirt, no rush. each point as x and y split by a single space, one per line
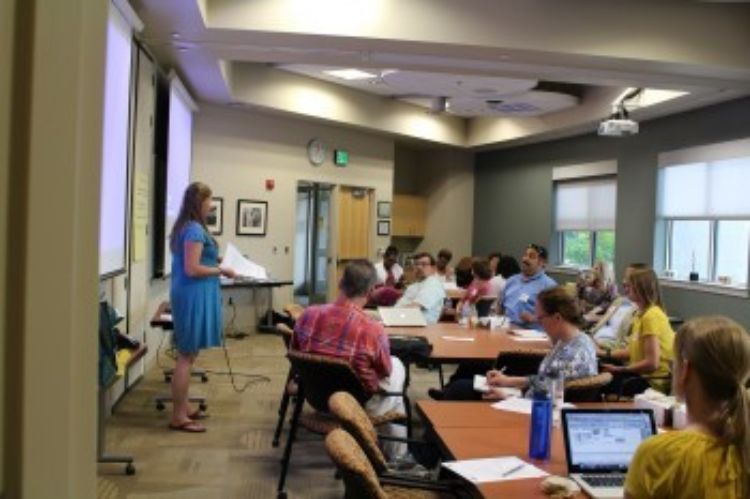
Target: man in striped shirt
342 329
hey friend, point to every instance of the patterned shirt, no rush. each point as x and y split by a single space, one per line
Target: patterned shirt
575 358
344 331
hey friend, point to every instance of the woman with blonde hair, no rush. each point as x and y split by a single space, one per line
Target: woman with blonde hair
195 297
711 458
649 349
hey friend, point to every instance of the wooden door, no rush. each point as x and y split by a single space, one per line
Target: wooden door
352 227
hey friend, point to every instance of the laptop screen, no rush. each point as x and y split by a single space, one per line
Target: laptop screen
604 440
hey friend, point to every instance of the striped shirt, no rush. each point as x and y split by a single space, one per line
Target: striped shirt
344 331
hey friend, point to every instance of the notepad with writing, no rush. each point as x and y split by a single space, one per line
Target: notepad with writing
480 385
494 469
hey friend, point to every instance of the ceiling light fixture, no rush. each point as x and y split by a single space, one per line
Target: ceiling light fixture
350 74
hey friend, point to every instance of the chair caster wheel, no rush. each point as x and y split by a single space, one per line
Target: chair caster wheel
130 469
204 379
275 443
281 495
159 406
167 379
202 406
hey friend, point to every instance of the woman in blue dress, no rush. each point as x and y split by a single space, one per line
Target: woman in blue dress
195 297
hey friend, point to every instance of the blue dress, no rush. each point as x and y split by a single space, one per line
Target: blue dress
196 301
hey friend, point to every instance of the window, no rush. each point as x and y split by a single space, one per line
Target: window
704 211
585 220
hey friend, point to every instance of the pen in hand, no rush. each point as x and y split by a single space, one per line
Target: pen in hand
513 470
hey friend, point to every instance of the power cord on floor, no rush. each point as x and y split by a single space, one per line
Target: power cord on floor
254 378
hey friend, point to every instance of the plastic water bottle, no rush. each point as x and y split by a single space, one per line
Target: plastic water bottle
557 392
465 315
540 432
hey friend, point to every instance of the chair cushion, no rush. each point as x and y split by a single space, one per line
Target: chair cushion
395 492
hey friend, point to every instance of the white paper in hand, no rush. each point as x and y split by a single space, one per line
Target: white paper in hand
243 267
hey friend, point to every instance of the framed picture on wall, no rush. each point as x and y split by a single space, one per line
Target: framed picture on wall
252 217
384 227
384 209
215 218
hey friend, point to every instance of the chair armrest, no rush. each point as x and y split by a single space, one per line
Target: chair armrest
457 488
389 438
383 393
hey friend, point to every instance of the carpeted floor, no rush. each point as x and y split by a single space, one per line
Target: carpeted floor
234 458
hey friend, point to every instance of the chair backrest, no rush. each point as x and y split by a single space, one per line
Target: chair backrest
359 477
588 389
520 362
354 419
294 310
321 376
285 332
484 304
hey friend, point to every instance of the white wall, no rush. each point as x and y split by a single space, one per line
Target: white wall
236 150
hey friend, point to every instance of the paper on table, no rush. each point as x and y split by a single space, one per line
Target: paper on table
243 267
520 405
534 339
480 385
494 469
457 338
529 333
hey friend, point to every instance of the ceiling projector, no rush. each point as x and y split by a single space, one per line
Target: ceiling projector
618 128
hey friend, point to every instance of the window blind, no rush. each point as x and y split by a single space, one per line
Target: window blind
706 182
586 204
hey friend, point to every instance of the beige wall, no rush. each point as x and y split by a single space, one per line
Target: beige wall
235 151
449 185
50 411
6 61
445 176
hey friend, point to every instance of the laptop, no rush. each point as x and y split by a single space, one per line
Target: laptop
599 444
403 317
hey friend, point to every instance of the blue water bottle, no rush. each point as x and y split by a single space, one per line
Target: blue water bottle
540 433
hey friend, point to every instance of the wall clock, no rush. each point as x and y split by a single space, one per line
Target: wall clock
316 152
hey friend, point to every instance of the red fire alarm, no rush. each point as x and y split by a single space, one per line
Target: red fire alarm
270 184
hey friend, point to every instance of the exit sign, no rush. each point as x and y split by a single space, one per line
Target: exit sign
340 157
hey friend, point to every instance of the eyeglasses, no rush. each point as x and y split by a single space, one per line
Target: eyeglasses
422 264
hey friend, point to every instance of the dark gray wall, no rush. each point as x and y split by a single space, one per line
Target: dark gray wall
513 192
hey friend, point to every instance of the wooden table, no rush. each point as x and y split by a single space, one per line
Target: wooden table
474 430
486 344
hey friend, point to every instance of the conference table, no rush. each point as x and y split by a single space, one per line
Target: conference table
474 430
452 343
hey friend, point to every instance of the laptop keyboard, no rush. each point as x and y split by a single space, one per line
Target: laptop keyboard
604 480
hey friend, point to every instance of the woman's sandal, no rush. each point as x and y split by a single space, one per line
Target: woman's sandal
189 426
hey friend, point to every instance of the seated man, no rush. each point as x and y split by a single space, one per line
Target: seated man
445 271
343 330
390 278
521 290
428 293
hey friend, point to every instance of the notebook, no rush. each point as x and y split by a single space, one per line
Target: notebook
405 316
599 445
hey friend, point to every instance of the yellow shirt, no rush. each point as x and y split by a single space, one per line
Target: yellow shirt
687 464
653 322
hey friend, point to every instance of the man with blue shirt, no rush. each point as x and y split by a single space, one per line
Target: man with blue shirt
428 293
521 290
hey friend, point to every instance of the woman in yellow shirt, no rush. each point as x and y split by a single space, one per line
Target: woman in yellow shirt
711 458
649 350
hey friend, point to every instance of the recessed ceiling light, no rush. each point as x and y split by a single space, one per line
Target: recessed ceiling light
350 74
